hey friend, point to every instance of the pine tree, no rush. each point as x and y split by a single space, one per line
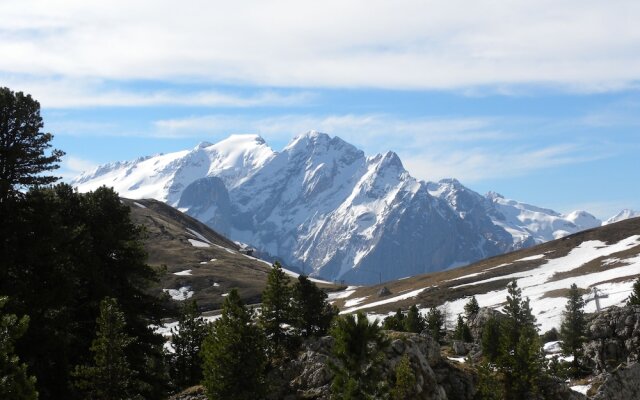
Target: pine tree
435 324
15 382
110 377
490 340
395 322
358 349
234 354
634 297
311 313
520 359
23 145
471 308
414 322
405 383
187 338
276 311
573 326
489 387
462 331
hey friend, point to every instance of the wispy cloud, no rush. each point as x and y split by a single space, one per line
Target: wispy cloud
72 166
573 45
59 93
470 149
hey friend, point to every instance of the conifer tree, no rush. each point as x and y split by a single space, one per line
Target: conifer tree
573 326
187 338
414 322
358 349
276 311
634 297
15 382
471 308
395 322
462 331
520 360
23 145
435 324
234 354
489 387
110 377
405 382
490 340
311 313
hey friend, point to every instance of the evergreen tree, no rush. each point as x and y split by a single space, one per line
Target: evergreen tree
110 377
358 349
491 340
395 322
462 331
634 297
471 308
87 249
489 387
276 311
23 145
573 326
15 382
187 338
435 324
405 383
234 354
520 360
311 313
414 322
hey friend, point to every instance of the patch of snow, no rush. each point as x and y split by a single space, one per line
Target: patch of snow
198 235
552 347
457 359
139 205
224 294
181 294
197 243
581 388
343 294
203 262
394 299
531 258
355 302
183 273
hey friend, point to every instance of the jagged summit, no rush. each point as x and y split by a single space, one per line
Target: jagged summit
322 205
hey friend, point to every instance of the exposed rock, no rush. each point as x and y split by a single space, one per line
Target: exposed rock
459 348
309 377
478 321
614 338
621 384
384 292
192 393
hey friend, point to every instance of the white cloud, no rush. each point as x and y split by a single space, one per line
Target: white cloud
469 149
72 166
412 44
80 93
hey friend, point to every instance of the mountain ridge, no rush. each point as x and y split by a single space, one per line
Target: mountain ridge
323 205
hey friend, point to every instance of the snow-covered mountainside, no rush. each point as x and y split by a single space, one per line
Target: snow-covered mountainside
603 262
322 205
621 216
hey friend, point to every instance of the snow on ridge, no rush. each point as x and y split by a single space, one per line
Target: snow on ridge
198 243
394 299
180 294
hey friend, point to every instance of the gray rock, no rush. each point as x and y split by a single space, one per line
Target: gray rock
621 384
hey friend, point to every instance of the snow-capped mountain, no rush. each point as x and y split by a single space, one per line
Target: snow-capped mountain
322 205
621 216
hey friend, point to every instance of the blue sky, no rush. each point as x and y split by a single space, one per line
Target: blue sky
536 100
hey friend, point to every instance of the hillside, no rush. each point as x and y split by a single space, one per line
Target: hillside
606 257
200 263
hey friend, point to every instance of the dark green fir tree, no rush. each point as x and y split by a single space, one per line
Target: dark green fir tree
234 354
435 323
187 339
573 327
275 313
414 322
358 349
311 312
395 322
110 376
15 382
634 297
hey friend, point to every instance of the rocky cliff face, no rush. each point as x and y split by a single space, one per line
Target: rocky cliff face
614 338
